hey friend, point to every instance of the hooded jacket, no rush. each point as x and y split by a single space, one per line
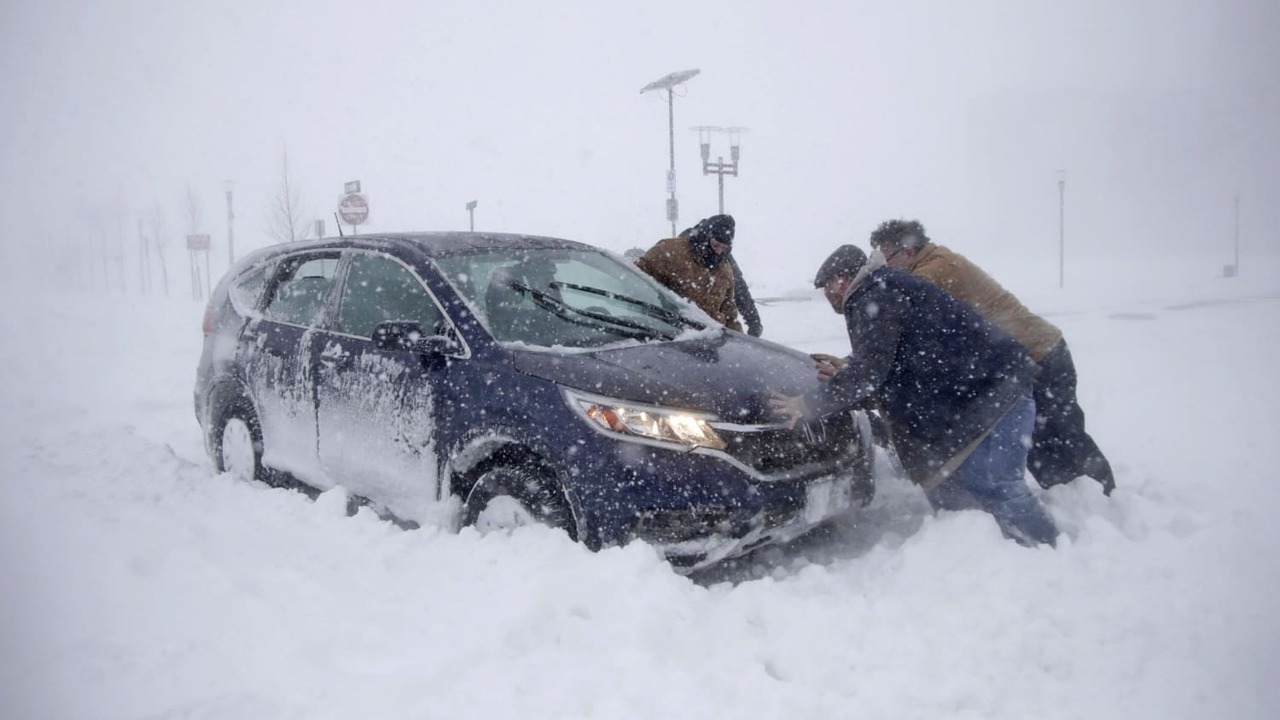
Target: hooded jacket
673 263
964 280
940 375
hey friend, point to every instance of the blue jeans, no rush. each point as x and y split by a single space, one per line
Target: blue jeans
992 479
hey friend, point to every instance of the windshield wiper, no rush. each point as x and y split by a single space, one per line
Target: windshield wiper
648 308
620 326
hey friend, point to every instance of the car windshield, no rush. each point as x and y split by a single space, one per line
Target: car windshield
566 297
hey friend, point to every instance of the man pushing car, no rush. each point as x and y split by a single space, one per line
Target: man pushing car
953 389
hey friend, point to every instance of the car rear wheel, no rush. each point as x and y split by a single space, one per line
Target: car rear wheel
240 443
509 497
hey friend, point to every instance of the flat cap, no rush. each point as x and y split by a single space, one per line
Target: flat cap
846 261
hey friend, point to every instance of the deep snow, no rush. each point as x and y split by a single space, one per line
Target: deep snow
139 584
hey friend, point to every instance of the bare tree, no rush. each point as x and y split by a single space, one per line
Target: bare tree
194 210
121 212
144 260
195 220
62 251
285 221
93 220
158 234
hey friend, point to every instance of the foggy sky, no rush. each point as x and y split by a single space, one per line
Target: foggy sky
959 113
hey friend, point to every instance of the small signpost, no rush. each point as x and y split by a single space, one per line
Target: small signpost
197 244
353 207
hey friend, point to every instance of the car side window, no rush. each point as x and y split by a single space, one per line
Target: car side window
379 289
301 290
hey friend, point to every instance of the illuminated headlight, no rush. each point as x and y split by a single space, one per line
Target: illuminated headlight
626 420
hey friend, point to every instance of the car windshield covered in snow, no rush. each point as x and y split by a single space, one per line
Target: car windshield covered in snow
566 298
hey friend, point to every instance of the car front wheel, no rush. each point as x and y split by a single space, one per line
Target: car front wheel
510 497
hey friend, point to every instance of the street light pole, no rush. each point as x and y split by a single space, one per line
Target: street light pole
720 167
471 212
1236 264
231 237
1062 227
669 83
671 169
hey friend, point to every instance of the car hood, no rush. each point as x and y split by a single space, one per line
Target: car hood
730 375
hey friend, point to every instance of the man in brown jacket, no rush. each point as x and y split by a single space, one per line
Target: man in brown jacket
1061 450
696 268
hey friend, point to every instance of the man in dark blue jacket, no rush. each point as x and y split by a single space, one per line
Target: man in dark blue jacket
954 390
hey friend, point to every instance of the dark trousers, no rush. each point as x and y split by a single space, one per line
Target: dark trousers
1061 450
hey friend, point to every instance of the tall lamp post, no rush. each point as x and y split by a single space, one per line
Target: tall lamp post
668 83
719 167
1235 264
1062 227
471 211
231 236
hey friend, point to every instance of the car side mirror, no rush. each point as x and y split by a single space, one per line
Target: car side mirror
409 336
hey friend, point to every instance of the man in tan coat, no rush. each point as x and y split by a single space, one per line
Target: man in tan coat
696 268
1061 450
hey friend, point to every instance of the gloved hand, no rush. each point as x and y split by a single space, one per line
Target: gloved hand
791 409
755 329
828 365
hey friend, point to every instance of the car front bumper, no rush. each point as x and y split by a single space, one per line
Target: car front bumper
824 499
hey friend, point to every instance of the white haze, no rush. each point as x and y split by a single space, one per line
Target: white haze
1161 113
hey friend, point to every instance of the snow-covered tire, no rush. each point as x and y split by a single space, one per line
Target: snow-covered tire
508 497
238 442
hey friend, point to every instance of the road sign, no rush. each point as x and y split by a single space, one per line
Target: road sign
198 242
353 209
352 187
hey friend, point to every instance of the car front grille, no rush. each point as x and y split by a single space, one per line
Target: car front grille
812 448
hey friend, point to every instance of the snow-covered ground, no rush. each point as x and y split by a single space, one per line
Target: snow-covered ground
137 583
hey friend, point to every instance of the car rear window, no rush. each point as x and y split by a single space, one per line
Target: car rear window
301 291
246 291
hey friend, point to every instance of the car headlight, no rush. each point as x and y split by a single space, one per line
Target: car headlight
625 420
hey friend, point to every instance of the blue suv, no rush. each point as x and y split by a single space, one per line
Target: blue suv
497 380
